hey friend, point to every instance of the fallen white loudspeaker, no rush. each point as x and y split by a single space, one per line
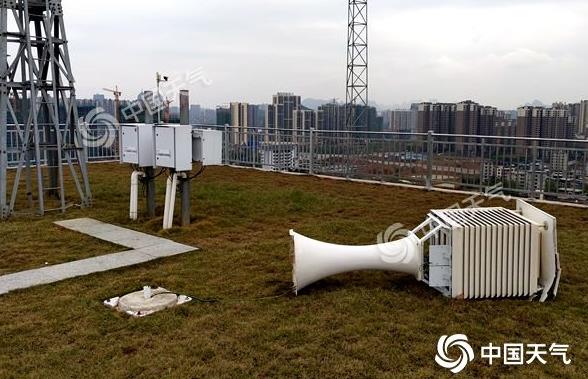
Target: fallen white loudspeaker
475 253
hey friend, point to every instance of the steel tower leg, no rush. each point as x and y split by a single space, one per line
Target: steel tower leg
3 114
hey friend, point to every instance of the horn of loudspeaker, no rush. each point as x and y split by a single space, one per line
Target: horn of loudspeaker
315 260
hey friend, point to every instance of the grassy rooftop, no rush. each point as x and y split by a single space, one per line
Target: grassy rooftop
368 324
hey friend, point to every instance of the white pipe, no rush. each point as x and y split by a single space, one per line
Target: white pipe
134 206
172 201
147 292
167 197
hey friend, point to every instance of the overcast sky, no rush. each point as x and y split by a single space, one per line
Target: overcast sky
497 52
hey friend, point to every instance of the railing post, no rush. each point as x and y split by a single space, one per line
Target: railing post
532 192
311 152
430 141
483 151
3 117
584 174
227 144
348 157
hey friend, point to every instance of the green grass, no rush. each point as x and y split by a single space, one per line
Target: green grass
368 324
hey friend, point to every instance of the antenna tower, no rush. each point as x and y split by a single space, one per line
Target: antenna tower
357 66
39 127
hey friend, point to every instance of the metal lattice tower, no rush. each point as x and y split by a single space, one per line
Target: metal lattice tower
39 125
357 66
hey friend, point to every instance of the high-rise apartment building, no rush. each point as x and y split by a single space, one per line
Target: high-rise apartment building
195 114
404 121
582 126
537 122
85 106
473 119
374 122
467 118
304 120
436 117
505 126
280 114
209 117
239 122
243 122
331 116
223 115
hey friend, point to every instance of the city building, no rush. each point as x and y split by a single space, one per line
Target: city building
304 120
174 114
560 160
195 114
505 126
331 116
243 121
403 121
203 116
436 117
85 106
538 122
260 116
582 126
473 119
545 123
209 117
374 122
99 97
280 114
223 115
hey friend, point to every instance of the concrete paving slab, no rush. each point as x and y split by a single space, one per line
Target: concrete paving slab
128 238
145 247
112 233
169 251
23 280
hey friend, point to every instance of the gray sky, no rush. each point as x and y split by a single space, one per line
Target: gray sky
497 52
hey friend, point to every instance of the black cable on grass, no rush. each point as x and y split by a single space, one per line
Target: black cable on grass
218 300
160 173
200 172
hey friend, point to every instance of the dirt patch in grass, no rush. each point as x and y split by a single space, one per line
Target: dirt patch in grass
353 325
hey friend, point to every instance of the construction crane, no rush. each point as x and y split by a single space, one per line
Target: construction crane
166 111
117 95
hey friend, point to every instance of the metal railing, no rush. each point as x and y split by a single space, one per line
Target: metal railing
528 167
100 141
551 169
